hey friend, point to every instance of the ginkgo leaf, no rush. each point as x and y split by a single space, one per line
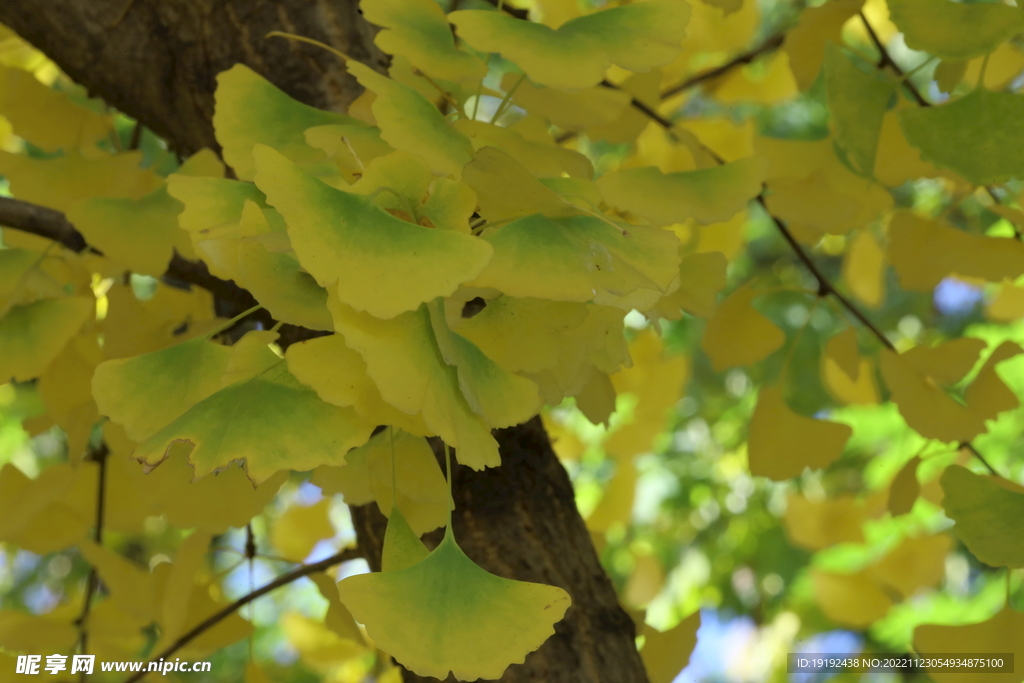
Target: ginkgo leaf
24 632
952 30
281 286
987 395
446 614
415 485
529 144
701 277
211 204
352 480
977 136
805 44
856 102
666 653
132 587
850 599
61 181
176 378
272 425
782 443
860 391
404 361
47 117
524 334
820 524
250 109
905 488
411 123
864 269
419 31
492 172
636 37
15 267
924 405
948 362
138 234
616 506
502 398
402 547
337 619
573 110
32 335
300 528
338 375
988 515
181 579
348 243
39 514
709 195
915 563
573 258
843 349
925 251
738 334
1003 633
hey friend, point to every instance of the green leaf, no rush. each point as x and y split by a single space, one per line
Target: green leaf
980 136
272 425
955 31
402 547
988 516
411 123
375 262
418 30
172 380
710 195
279 283
446 614
637 37
575 258
857 102
250 109
32 335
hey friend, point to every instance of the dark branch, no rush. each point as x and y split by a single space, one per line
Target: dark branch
228 610
99 456
772 43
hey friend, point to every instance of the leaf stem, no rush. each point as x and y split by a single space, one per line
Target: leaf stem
303 39
231 323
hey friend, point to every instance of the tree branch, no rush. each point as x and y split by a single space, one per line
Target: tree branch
99 456
772 43
215 618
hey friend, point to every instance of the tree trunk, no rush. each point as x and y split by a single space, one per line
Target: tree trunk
156 60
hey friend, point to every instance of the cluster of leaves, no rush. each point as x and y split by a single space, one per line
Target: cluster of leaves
467 241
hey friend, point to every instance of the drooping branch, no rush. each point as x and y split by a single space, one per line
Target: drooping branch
228 610
747 57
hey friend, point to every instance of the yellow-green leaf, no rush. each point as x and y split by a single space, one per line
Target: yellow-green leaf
738 334
988 515
952 30
402 547
857 102
31 336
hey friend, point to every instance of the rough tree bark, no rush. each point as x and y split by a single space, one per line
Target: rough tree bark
157 60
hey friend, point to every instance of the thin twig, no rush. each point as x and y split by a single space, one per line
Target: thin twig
99 456
136 138
215 618
772 43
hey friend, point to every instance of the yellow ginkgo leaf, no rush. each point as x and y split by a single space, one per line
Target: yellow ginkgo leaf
738 334
492 171
446 614
915 563
709 195
857 101
860 391
987 395
338 375
39 514
21 631
419 31
850 599
636 37
411 123
666 653
31 336
403 359
59 182
924 405
905 488
138 234
338 619
864 269
352 246
573 110
782 443
319 647
47 117
415 485
1003 633
300 528
250 109
616 506
805 44
819 524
